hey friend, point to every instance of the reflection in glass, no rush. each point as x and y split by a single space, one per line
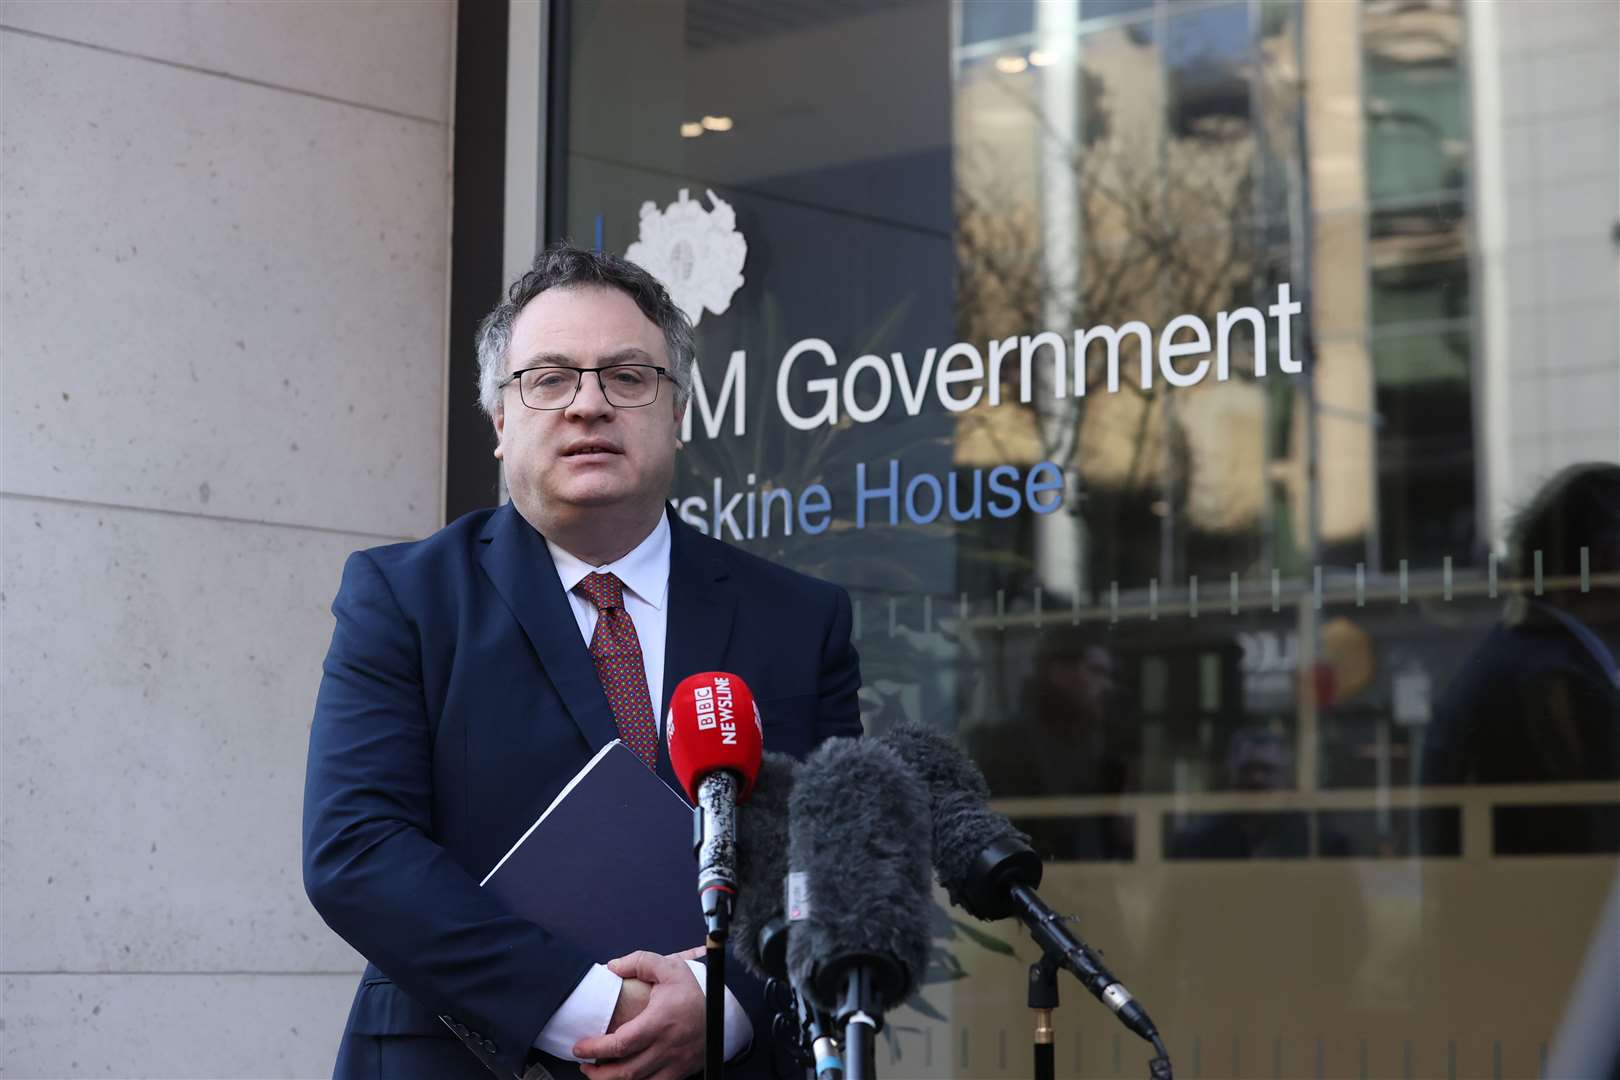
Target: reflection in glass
1416 128
1065 735
1426 508
1209 57
1539 700
1251 688
1423 292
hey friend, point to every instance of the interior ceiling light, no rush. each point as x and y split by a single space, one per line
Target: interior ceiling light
691 130
1011 65
717 123
1042 57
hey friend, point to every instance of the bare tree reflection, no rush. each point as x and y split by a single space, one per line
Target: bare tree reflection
1163 227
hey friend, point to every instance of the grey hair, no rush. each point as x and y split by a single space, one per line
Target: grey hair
562 266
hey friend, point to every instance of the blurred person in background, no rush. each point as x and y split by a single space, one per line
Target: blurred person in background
1257 759
1066 738
1539 700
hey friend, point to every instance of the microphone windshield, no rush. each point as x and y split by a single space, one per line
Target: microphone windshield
858 835
963 826
762 863
937 761
964 831
714 724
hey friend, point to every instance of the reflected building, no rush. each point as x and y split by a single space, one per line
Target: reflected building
1207 682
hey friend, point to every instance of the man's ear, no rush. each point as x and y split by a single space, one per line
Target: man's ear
680 414
499 420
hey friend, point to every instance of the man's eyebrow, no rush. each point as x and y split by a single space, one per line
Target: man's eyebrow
631 355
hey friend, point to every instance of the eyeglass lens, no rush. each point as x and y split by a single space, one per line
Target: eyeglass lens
624 385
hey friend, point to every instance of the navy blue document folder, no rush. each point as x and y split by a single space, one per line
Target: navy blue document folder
609 865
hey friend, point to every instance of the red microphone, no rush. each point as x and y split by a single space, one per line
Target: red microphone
715 744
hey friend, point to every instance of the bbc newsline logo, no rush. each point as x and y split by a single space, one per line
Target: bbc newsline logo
1185 352
715 708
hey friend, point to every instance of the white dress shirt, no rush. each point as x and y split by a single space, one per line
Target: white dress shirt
645 574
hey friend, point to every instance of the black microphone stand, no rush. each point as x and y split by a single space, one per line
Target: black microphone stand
714 1007
1060 948
855 1012
1003 884
864 985
1043 998
825 1053
815 1034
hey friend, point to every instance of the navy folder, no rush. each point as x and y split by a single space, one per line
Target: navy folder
609 866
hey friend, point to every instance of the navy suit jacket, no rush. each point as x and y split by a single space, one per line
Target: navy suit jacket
457 698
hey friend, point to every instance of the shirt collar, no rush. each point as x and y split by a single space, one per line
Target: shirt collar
644 570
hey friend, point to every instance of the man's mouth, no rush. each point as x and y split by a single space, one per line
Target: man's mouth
591 449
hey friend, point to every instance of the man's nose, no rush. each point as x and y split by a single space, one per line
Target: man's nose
590 401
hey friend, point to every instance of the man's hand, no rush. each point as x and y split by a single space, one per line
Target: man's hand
663 1040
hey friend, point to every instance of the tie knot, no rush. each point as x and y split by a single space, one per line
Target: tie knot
606 591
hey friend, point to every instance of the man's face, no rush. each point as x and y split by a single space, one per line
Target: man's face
1088 682
590 455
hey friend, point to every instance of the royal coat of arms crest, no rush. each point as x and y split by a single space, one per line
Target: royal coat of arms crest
698 254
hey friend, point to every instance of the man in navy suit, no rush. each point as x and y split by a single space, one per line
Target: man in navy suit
465 685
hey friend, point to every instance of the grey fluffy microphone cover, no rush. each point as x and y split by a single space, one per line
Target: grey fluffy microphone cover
963 826
762 858
860 836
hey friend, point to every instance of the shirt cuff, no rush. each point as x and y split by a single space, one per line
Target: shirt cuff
739 1029
588 1010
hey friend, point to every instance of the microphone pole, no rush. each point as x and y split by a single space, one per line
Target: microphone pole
716 854
714 822
860 1027
714 1008
824 1047
1061 948
1043 998
715 747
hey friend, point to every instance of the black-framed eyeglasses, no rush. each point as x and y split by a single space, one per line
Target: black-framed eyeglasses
554 386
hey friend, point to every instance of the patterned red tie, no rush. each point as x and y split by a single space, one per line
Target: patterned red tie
617 653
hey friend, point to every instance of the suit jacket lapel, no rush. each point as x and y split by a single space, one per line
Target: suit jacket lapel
519 564
702 604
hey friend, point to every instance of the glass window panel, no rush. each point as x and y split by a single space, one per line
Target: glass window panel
1420 268
1583 829
1277 104
1267 620
1240 835
1431 831
1420 292
1426 465
1386 668
1415 98
1081 838
1107 9
1339 274
1211 146
1123 135
993 20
